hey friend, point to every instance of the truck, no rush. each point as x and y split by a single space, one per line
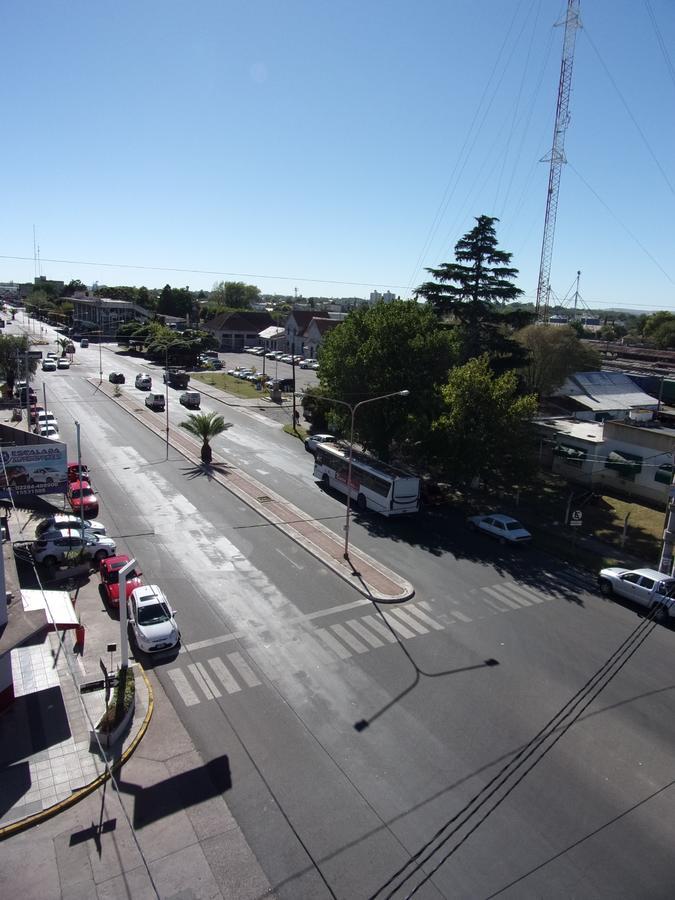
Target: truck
176 378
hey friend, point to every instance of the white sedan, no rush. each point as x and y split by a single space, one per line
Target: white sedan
504 528
151 619
313 441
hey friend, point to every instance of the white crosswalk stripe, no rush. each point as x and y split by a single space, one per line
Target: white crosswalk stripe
507 590
244 669
204 681
333 643
363 632
521 591
460 615
349 638
183 687
398 626
505 600
409 620
432 623
378 625
224 675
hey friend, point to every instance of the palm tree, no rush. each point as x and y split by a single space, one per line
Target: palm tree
63 343
206 426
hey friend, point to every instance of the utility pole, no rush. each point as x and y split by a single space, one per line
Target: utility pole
557 157
576 298
666 562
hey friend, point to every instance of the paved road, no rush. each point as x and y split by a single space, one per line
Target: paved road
353 733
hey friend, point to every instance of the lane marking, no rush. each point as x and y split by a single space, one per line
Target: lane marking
244 669
349 639
499 609
380 628
412 608
203 683
367 636
398 626
182 686
505 591
410 621
287 558
224 675
333 643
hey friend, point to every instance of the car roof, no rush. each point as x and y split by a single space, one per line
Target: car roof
148 592
500 517
652 573
115 561
76 485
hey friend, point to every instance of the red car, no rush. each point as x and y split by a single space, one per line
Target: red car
109 572
81 494
74 472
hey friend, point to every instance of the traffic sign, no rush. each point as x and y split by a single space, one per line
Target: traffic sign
576 518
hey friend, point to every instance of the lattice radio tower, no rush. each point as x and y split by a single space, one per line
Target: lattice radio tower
557 156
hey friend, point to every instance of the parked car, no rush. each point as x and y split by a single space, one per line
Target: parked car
108 571
143 382
69 546
210 354
60 521
647 587
504 528
307 363
191 399
155 401
45 417
151 620
48 431
63 363
116 378
81 496
84 342
74 470
215 364
313 441
49 365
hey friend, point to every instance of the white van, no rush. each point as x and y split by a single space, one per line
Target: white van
155 401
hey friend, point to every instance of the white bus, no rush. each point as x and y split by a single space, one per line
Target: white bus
374 484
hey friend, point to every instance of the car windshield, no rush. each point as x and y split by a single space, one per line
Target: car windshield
82 492
514 526
153 614
112 575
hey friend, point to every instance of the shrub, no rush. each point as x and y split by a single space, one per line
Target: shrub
121 700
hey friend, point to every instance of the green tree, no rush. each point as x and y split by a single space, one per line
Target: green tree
234 295
205 426
13 350
378 350
659 329
485 428
554 352
471 290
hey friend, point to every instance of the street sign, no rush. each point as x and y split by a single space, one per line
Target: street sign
576 517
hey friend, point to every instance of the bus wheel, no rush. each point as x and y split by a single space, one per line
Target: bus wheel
325 481
361 503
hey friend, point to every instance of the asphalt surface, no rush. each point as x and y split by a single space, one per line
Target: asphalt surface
354 736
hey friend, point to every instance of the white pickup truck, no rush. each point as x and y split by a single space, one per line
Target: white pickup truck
646 587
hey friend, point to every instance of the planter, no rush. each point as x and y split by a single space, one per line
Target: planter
109 736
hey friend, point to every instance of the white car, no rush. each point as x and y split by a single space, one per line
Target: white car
46 417
646 587
48 431
313 441
47 475
63 363
70 546
49 365
60 521
504 528
143 381
151 619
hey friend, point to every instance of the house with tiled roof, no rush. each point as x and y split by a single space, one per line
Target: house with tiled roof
238 329
315 333
296 325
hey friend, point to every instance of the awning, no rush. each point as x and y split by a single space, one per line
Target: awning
626 464
273 333
57 605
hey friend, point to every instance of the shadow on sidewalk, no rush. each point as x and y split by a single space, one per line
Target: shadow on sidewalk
178 792
206 471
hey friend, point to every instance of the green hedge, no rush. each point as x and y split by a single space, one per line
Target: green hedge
120 702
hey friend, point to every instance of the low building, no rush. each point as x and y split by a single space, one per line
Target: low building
596 396
315 333
238 329
295 327
106 315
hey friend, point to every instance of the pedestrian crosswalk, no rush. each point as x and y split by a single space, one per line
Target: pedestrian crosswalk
231 673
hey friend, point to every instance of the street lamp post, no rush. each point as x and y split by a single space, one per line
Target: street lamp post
352 409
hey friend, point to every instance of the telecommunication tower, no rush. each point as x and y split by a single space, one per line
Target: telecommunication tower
557 156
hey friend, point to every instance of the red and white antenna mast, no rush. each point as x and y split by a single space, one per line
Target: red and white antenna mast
557 156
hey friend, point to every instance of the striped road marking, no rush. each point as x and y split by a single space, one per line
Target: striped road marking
182 685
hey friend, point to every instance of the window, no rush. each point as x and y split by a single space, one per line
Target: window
664 474
631 578
647 583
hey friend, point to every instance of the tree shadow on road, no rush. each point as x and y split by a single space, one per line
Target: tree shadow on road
206 470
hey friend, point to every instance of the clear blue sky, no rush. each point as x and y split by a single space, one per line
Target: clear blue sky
303 144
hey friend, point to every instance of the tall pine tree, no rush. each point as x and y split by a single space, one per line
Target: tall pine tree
471 294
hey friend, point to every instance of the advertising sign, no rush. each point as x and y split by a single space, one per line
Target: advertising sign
33 469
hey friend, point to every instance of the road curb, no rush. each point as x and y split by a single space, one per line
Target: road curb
51 811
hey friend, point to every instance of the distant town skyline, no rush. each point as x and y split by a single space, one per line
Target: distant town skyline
336 150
